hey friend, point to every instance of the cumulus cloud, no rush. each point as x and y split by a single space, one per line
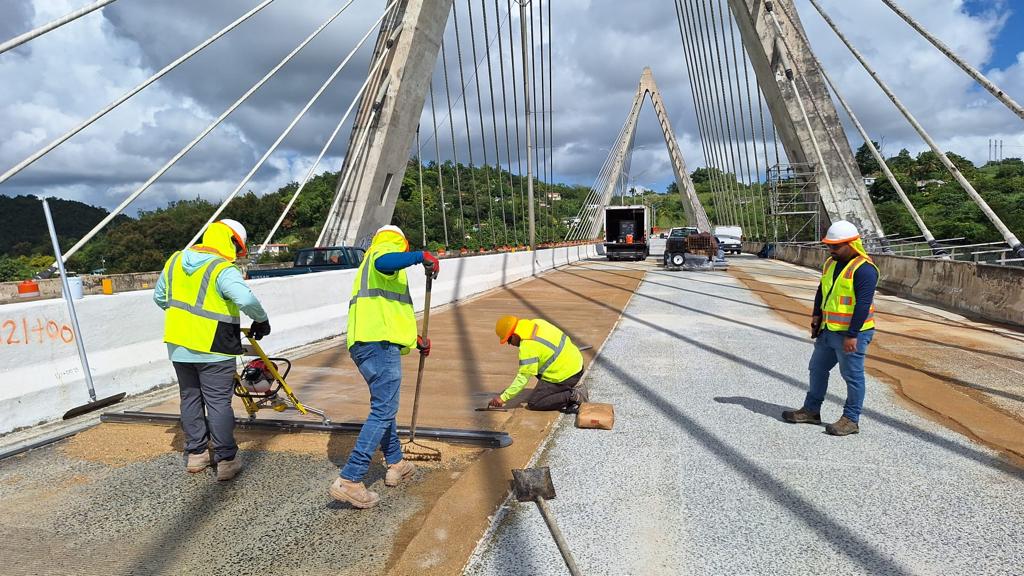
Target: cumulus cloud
600 48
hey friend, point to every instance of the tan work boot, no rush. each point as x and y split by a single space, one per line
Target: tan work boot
197 462
353 492
801 416
399 471
844 426
228 469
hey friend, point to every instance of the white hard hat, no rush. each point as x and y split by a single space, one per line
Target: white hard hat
841 232
237 228
390 228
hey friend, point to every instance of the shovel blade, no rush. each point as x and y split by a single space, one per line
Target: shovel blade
101 403
532 483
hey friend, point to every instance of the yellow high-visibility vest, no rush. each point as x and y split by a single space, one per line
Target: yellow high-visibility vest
838 298
198 317
547 352
381 307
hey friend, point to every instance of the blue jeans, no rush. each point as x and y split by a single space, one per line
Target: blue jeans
828 351
381 366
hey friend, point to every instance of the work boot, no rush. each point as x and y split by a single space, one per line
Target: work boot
401 470
801 416
353 492
842 427
198 462
228 469
580 393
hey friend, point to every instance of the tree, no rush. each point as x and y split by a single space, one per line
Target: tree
866 160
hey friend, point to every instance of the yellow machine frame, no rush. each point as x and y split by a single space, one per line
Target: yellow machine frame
253 402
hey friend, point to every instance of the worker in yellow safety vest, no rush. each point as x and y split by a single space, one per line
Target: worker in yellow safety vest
842 324
381 328
202 294
545 351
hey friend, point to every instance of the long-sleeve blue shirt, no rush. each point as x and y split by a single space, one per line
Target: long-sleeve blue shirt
394 261
865 279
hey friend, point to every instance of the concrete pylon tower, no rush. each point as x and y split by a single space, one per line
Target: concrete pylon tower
802 109
385 125
695 212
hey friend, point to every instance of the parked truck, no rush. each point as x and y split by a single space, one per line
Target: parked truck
308 260
730 238
627 232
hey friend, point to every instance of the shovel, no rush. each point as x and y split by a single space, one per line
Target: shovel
534 485
412 449
94 404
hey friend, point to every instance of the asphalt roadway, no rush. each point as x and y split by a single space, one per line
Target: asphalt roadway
701 476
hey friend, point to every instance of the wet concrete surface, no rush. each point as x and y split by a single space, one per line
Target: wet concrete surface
116 500
701 476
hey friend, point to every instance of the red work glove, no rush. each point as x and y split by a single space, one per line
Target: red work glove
496 402
431 266
423 345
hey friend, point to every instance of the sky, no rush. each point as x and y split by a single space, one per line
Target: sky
599 48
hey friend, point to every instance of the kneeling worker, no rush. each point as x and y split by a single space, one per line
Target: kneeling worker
202 292
547 353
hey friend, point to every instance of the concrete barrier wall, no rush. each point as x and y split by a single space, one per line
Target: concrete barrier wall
41 377
994 293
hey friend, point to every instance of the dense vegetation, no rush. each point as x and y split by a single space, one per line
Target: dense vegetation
144 242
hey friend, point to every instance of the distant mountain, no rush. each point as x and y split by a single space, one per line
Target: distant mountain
23 226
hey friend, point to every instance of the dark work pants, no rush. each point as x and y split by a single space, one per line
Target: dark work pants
551 396
206 414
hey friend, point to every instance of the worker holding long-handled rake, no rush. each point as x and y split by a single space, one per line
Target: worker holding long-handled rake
381 328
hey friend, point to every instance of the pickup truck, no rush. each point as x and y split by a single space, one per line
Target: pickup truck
309 260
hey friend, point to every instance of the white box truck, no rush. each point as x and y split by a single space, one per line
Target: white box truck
627 232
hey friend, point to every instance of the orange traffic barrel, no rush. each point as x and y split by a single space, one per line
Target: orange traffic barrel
28 289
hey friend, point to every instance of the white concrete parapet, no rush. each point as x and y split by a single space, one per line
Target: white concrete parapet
40 374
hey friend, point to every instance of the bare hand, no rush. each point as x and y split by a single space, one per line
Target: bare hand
850 344
496 402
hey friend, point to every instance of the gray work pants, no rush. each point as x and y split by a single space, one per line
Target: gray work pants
206 414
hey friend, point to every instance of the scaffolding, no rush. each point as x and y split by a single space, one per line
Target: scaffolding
794 203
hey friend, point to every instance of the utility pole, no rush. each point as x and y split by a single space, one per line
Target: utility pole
529 134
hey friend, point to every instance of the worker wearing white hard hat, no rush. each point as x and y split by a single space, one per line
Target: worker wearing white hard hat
842 324
381 328
203 294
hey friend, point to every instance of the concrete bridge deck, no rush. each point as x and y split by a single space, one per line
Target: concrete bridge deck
699 476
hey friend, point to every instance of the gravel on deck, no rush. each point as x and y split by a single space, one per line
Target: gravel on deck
701 476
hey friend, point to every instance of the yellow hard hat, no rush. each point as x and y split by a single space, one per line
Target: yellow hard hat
505 327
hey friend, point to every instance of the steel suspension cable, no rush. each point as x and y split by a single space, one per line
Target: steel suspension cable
688 56
738 98
713 110
455 153
764 150
323 151
543 148
718 101
437 154
748 196
483 132
195 141
1008 236
538 106
494 122
423 209
964 65
57 23
515 109
734 133
465 111
551 126
121 99
309 104
504 109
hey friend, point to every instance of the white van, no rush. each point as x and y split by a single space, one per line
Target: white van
729 238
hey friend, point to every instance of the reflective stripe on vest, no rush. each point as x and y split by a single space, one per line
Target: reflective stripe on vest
204 286
838 297
380 308
366 292
557 350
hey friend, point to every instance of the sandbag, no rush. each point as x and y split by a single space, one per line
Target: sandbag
595 415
